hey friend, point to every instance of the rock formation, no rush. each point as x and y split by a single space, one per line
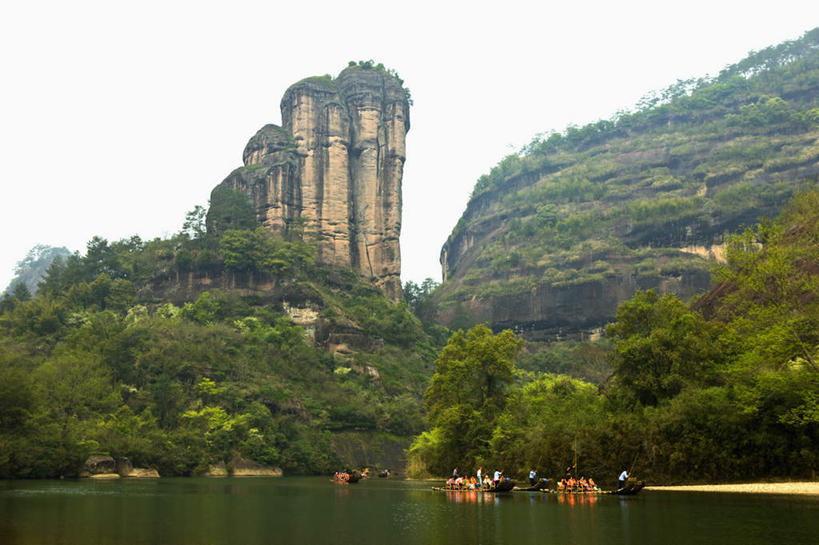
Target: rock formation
100 466
333 171
240 466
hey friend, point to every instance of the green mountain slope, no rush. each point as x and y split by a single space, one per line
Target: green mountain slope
555 237
181 353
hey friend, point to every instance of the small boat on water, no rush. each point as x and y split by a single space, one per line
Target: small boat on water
346 477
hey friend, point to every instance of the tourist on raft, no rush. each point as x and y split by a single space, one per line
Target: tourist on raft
621 481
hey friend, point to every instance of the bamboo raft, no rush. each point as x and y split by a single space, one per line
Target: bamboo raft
503 486
353 477
631 489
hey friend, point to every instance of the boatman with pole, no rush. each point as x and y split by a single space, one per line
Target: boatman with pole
621 481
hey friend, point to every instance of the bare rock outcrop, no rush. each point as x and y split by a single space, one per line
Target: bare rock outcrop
333 170
218 469
99 464
245 467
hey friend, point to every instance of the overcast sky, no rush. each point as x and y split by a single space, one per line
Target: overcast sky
116 119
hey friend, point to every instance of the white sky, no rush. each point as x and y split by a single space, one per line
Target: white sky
116 119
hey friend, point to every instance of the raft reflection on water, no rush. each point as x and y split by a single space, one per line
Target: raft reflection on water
472 496
577 499
475 496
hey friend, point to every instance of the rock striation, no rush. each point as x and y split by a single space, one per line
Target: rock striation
333 171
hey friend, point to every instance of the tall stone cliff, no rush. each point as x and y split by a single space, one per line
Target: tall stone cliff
333 170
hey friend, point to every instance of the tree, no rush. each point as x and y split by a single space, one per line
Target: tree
261 251
229 209
195 224
465 396
21 292
419 298
660 346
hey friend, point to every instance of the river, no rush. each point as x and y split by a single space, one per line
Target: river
314 510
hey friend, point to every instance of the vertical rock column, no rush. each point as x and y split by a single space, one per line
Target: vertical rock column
319 125
377 106
334 227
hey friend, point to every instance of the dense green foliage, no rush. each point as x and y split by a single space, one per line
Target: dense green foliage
725 388
466 395
636 192
421 302
99 363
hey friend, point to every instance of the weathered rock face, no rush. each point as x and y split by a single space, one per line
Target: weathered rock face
334 169
244 467
98 464
216 470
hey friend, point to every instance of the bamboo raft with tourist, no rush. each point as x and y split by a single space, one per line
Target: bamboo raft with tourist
565 486
479 483
347 476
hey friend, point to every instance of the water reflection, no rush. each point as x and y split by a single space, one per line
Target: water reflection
315 511
475 496
577 500
342 491
465 496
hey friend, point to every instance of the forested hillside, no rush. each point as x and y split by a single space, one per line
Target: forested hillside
722 389
556 236
178 353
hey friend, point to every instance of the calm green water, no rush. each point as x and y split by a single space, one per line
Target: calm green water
315 510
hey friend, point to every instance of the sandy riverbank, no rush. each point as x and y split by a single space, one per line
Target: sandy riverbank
805 488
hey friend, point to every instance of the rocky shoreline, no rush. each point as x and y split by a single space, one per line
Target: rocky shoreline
807 488
106 468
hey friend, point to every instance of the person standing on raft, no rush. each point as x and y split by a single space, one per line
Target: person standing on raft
621 481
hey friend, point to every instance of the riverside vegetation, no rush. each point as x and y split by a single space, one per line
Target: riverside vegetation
95 362
723 388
